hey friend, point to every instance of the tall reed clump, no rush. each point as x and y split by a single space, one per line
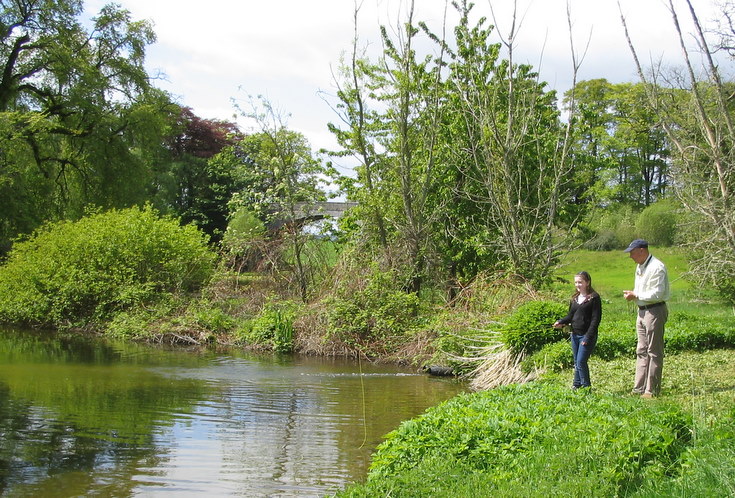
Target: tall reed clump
527 330
273 327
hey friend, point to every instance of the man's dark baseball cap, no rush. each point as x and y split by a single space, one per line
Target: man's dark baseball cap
636 244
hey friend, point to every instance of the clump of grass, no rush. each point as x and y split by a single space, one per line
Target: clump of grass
498 366
501 361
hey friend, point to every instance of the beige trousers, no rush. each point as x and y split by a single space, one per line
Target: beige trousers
650 351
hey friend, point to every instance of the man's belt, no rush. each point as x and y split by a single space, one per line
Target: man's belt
649 306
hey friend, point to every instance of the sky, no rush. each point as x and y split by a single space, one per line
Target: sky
211 54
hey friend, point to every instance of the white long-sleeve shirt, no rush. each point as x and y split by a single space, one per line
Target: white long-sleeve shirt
651 282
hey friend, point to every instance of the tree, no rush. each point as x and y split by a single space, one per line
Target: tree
360 140
283 181
701 130
511 150
472 161
621 148
82 123
594 122
392 111
190 185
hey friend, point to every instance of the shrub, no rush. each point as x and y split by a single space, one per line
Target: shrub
686 332
208 317
658 222
542 434
378 310
605 240
555 356
529 328
244 237
273 327
616 338
91 269
611 227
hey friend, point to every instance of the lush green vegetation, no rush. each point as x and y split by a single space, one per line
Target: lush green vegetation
470 186
529 329
542 439
698 320
86 272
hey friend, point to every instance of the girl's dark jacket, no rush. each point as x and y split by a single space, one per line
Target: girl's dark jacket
585 317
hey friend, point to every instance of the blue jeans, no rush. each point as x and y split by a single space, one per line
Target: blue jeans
581 353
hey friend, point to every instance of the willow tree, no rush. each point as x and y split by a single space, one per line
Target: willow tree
695 109
81 123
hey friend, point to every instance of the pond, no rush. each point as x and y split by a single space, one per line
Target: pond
83 417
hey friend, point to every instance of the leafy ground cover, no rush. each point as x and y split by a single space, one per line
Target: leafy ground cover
543 439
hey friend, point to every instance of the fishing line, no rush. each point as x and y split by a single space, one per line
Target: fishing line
364 414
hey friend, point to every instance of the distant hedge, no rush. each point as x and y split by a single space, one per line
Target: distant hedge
73 273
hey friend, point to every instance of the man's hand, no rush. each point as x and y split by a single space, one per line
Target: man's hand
629 295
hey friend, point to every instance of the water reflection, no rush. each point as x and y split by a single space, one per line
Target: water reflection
88 417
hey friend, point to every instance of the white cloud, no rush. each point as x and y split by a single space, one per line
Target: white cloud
217 50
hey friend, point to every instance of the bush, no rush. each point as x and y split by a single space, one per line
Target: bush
617 338
244 237
91 269
379 310
555 356
612 227
543 434
658 222
273 327
725 284
605 240
686 332
529 328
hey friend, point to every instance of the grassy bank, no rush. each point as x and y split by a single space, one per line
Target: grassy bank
613 271
543 439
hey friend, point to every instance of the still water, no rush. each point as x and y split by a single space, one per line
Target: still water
89 418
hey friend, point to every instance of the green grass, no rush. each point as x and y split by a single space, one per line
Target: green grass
613 271
546 440
698 319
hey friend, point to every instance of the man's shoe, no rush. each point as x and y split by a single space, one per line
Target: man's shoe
647 396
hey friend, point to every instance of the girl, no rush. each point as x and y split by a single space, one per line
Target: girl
585 312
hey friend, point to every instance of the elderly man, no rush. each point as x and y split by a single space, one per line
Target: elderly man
650 293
